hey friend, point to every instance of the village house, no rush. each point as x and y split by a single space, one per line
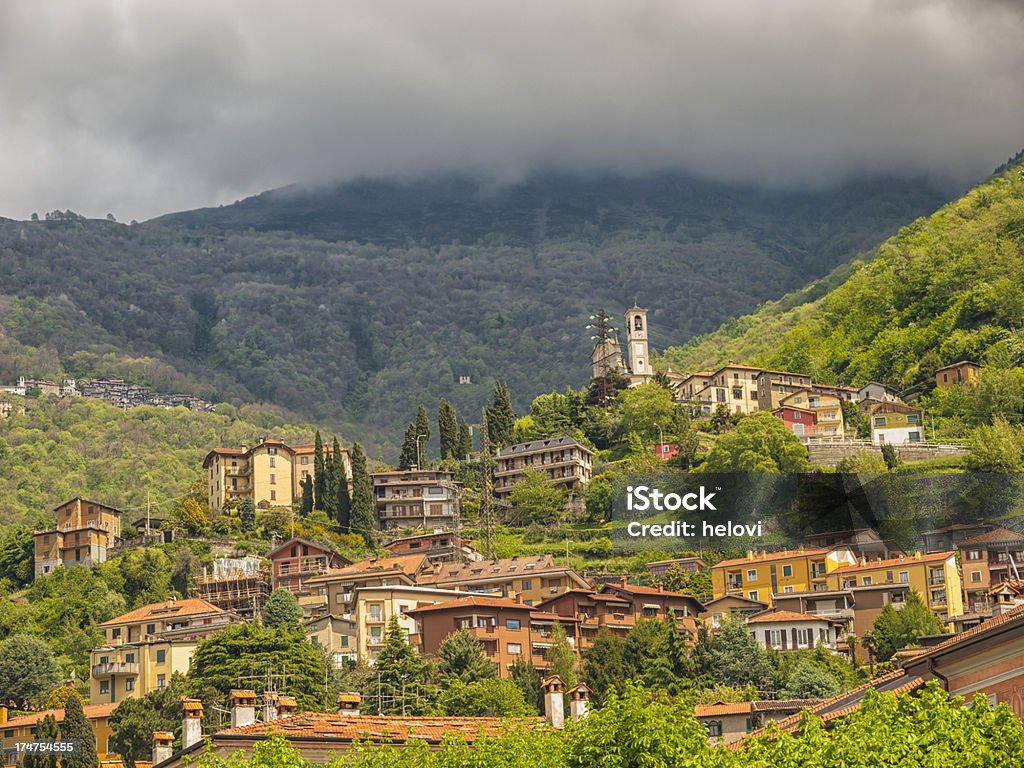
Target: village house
144 647
948 537
563 460
828 411
22 728
439 546
759 576
335 591
800 421
336 635
416 498
531 579
896 424
783 630
691 565
775 386
728 607
988 559
296 561
965 374
84 534
734 386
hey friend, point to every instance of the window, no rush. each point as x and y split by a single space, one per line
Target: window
115 633
879 421
314 640
161 681
513 624
104 686
304 460
904 577
129 684
975 576
866 581
714 728
273 495
161 656
752 575
344 641
375 611
515 649
803 636
527 584
650 612
273 461
774 637
151 629
273 479
787 570
375 633
752 595
974 554
129 658
787 590
913 418
272 451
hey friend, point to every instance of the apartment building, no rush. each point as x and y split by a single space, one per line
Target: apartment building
416 498
734 386
935 576
439 546
84 533
988 559
336 635
828 411
693 564
373 608
896 424
563 460
507 629
22 729
531 579
760 576
296 561
269 473
335 591
774 386
965 374
144 647
784 630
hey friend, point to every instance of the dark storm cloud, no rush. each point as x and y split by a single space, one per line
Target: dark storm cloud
143 107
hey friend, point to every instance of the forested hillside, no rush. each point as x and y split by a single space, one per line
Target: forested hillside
430 282
945 288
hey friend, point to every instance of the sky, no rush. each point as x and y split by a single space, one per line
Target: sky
139 108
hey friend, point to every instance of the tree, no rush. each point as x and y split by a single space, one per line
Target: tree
330 485
526 677
28 671
759 443
17 554
598 497
604 664
47 730
646 655
306 504
889 456
501 418
222 659
59 696
678 579
536 499
344 502
409 457
282 611
647 410
319 473
808 681
465 440
142 575
463 659
997 448
491 697
362 517
76 727
192 515
894 629
423 433
247 513
736 658
562 657
402 685
133 723
448 430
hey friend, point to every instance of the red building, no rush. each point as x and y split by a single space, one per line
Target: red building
297 560
799 421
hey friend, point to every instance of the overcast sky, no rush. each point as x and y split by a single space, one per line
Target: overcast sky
141 108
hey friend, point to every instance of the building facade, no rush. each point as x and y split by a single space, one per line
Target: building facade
566 463
783 630
800 421
989 559
296 561
530 579
896 424
84 533
827 408
22 728
760 576
417 498
964 374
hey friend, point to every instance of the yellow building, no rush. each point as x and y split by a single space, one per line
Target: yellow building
934 576
827 408
269 473
734 386
84 532
965 373
761 576
374 607
144 647
896 423
774 386
23 728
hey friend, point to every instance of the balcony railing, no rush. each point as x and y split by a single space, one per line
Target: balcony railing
115 668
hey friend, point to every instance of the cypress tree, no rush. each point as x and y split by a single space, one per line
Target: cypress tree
306 505
362 515
76 728
319 473
465 440
331 485
247 511
343 500
46 731
501 418
448 430
408 458
422 425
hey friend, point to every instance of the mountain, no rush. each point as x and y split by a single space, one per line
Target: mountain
945 288
351 305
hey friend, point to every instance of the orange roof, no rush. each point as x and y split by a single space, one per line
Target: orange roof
722 708
893 562
322 726
638 589
92 712
474 601
995 536
769 556
169 609
783 616
408 564
970 634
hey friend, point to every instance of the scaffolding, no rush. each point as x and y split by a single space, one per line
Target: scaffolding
239 584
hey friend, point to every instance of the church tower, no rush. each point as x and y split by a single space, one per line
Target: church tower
639 355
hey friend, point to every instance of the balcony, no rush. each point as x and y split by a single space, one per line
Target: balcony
112 668
834 613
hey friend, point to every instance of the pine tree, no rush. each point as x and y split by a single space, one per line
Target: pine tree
402 683
319 473
562 656
448 430
282 611
604 664
409 457
527 678
247 511
462 658
344 503
362 516
77 728
501 419
306 505
45 731
465 440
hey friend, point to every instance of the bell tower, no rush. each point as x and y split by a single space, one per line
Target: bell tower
639 354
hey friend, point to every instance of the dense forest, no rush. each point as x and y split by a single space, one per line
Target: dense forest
945 288
418 285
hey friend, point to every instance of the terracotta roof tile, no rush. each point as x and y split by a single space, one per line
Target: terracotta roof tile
722 708
783 616
894 562
169 609
970 634
995 536
92 712
760 557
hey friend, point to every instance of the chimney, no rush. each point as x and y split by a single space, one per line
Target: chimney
554 706
243 708
286 705
661 586
192 729
269 706
245 448
917 554
624 581
579 701
750 554
3 715
348 703
163 746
